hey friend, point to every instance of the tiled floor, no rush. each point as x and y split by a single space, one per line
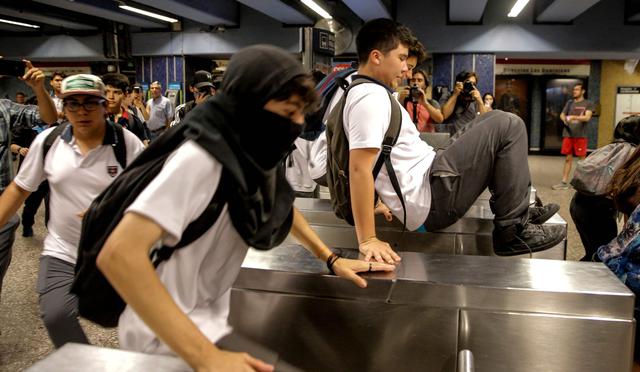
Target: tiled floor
23 339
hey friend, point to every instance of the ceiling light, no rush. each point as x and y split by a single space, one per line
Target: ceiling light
18 23
148 14
316 8
517 8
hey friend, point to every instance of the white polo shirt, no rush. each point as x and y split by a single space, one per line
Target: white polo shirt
199 276
366 116
74 180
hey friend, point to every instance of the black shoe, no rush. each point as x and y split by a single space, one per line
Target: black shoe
540 215
511 241
27 231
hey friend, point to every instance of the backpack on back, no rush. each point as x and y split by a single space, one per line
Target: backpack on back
326 89
338 155
593 174
97 299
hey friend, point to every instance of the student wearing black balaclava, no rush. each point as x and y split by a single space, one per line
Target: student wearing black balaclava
236 139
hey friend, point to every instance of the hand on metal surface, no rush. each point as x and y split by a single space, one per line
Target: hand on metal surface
226 361
34 77
373 248
349 269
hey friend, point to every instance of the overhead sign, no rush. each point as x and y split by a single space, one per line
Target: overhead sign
542 69
324 42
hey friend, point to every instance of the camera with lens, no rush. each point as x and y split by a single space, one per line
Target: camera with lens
414 93
468 87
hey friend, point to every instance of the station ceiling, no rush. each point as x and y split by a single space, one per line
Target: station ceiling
91 16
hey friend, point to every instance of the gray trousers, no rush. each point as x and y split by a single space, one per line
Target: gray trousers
239 343
490 151
7 236
58 306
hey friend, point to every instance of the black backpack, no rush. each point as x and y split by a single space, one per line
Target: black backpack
326 89
97 299
338 155
119 147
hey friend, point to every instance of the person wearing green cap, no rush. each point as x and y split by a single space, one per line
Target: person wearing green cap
79 160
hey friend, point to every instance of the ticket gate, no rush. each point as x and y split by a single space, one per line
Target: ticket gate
471 235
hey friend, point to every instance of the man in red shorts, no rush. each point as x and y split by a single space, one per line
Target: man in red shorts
575 116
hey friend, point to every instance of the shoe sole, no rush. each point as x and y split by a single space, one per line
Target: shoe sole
551 244
545 217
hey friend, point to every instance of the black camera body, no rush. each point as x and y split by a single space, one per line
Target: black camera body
468 87
414 93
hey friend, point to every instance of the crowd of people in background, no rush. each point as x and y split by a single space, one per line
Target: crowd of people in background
76 140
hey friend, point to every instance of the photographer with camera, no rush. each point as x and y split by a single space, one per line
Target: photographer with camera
465 103
423 111
202 84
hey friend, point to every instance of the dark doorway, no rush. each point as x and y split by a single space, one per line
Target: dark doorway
513 94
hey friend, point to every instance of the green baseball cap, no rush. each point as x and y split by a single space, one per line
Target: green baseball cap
82 84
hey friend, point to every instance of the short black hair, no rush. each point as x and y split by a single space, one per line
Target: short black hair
302 86
118 81
19 93
58 73
580 83
381 34
464 75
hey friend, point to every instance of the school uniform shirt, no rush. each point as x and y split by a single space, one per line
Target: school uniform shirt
297 169
366 117
199 276
75 180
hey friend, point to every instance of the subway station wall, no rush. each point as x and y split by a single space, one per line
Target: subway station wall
612 76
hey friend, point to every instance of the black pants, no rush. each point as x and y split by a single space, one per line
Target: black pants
7 236
490 151
595 219
32 203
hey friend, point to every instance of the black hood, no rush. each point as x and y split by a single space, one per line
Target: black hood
251 142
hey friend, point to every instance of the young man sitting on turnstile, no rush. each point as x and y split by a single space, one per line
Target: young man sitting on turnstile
437 188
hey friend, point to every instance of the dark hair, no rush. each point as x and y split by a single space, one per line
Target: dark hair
493 104
302 86
625 184
20 93
381 34
580 83
418 50
117 81
424 75
464 75
58 73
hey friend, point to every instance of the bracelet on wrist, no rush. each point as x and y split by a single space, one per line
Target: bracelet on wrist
331 260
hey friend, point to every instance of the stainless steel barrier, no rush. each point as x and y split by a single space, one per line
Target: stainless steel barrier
513 315
465 361
471 235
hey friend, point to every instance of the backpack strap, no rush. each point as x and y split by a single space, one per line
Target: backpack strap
390 139
120 147
51 138
197 227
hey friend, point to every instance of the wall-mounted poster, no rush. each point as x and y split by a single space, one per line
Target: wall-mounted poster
627 102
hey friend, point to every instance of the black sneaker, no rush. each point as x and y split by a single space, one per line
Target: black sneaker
511 241
27 232
540 215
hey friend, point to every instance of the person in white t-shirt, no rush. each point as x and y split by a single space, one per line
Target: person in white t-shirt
297 170
183 305
79 165
437 190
